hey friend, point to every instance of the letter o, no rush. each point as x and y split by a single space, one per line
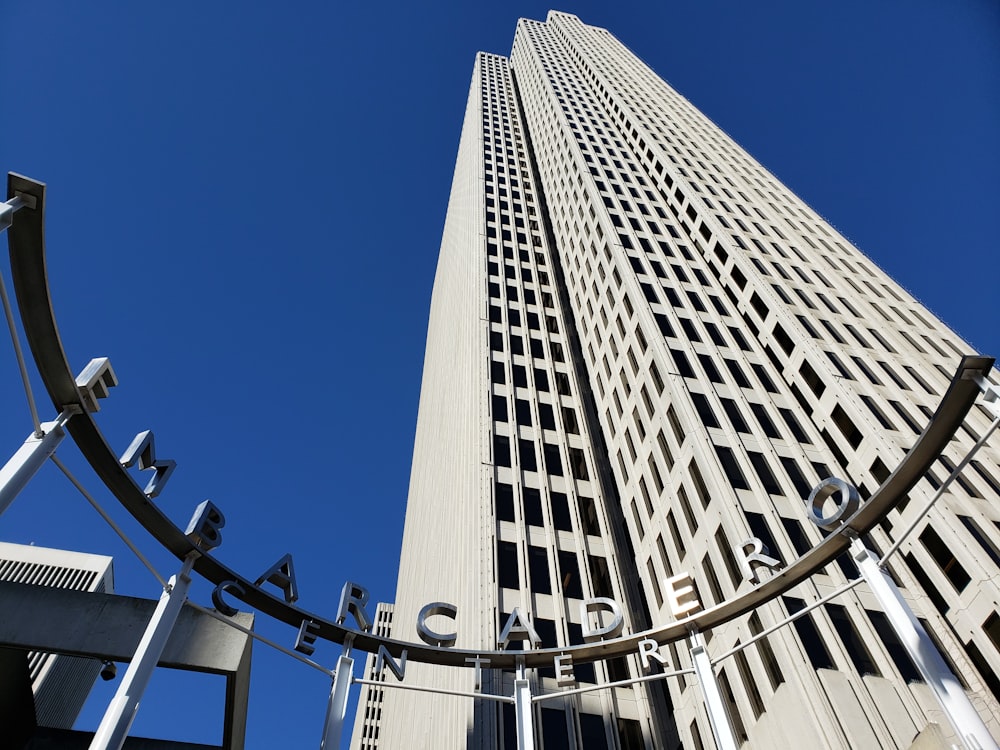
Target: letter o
845 495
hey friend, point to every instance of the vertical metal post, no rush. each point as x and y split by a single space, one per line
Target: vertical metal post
964 718
117 721
336 707
28 459
718 716
522 711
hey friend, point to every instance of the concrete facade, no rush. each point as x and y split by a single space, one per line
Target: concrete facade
642 350
60 683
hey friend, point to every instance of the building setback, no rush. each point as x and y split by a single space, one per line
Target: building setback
643 349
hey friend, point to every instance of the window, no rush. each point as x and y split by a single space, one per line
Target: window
560 512
553 461
764 473
501 450
853 643
732 468
538 569
499 408
569 571
507 571
522 409
526 452
767 656
704 410
533 507
815 650
897 652
945 558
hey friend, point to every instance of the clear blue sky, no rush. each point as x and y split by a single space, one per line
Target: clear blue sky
245 206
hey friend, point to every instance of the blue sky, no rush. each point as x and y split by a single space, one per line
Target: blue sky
245 210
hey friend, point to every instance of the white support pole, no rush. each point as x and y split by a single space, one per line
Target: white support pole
964 718
28 459
718 717
336 707
117 721
522 711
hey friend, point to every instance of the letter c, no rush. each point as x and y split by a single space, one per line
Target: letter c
427 635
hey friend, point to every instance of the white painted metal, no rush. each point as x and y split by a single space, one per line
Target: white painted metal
336 707
522 712
964 718
117 721
28 459
718 717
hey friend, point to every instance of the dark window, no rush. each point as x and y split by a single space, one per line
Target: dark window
945 558
737 372
554 733
897 652
600 577
569 570
520 376
798 537
764 473
682 364
497 372
793 425
507 575
852 641
767 656
734 415
704 410
505 502
588 515
546 417
812 379
629 735
553 461
569 421
689 330
819 657
710 369
795 474
526 452
560 512
499 408
501 450
592 731
532 507
846 426
538 568
731 467
522 409
541 380
578 464
763 378
985 542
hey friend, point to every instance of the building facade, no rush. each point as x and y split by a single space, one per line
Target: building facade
642 350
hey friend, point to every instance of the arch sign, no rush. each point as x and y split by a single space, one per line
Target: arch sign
833 505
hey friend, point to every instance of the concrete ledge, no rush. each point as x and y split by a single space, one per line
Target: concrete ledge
107 626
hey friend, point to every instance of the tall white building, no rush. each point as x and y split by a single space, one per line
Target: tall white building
642 350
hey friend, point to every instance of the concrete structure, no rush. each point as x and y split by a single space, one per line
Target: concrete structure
643 350
88 627
60 684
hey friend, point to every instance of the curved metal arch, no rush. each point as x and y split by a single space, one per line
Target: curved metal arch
26 239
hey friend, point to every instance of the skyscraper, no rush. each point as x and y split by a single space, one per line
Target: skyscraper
643 350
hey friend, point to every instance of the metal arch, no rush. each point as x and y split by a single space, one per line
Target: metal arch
27 255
